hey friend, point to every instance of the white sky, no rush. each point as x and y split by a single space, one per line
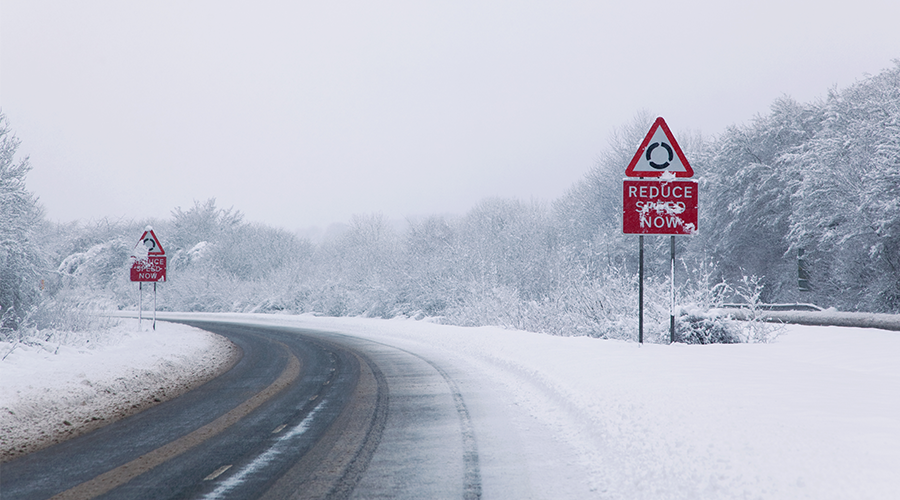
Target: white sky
304 113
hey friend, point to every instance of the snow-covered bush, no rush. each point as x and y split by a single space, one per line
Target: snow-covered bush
73 311
694 325
756 329
98 267
69 318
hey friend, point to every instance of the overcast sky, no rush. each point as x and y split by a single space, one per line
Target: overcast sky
301 114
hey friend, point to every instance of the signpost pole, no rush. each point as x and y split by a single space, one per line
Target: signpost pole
641 291
154 302
672 296
140 304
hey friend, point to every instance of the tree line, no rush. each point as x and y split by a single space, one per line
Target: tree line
807 190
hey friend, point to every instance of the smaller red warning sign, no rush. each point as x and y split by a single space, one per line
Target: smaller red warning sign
150 268
148 259
659 207
658 154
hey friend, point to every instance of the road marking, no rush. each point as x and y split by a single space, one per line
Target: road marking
122 474
283 443
331 469
218 472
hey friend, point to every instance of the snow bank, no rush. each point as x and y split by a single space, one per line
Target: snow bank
813 414
52 392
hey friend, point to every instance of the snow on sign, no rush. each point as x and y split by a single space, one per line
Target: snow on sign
659 207
148 259
659 154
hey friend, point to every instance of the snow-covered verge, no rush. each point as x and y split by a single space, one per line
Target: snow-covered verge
812 414
52 392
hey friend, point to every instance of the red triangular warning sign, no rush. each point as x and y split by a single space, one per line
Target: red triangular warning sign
658 154
151 243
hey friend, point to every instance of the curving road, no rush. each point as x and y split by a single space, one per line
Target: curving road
303 414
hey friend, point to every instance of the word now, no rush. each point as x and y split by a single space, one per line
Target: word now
658 222
659 207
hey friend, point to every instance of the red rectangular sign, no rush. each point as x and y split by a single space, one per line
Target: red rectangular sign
151 268
659 207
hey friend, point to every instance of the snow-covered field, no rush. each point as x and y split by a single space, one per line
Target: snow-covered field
814 414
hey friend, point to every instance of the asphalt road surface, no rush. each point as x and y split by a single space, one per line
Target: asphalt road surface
303 414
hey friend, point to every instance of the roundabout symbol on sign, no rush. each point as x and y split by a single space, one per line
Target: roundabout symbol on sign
658 139
659 166
150 243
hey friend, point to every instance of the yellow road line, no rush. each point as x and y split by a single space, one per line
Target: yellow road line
120 475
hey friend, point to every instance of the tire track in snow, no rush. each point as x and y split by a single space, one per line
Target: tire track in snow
471 467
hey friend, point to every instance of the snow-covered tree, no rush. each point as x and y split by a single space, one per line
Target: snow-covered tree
746 200
589 214
358 272
818 178
202 222
255 252
433 260
509 243
21 261
846 203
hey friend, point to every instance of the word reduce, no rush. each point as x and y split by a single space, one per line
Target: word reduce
659 207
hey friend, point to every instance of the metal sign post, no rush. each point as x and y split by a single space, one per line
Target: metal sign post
641 291
672 294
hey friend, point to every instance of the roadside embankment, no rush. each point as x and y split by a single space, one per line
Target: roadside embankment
52 392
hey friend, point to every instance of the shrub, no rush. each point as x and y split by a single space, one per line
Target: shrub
696 326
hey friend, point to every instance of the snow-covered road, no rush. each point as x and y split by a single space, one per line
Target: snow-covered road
814 414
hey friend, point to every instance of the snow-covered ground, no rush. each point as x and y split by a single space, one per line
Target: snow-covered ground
51 392
814 414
